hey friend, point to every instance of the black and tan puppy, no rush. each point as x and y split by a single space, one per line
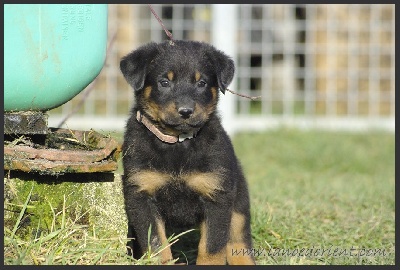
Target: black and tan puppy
180 169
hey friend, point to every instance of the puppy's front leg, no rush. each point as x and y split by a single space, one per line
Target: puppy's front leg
141 214
214 234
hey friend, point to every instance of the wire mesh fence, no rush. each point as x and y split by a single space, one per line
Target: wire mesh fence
316 65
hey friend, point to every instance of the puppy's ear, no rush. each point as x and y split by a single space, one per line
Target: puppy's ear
134 66
224 67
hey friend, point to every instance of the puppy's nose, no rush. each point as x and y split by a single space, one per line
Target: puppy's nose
185 112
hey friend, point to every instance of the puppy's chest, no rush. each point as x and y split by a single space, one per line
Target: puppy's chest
179 205
204 184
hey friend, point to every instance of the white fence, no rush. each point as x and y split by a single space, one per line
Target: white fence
315 66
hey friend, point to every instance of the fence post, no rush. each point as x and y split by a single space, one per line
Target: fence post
223 37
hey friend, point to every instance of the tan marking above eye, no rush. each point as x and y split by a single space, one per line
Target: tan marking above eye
197 76
170 75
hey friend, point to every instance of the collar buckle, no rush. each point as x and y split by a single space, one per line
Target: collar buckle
185 136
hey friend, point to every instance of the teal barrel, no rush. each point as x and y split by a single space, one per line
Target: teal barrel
51 53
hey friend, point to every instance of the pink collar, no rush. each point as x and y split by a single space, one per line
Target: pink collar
161 136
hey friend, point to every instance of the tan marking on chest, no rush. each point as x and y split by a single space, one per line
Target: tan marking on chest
149 181
206 184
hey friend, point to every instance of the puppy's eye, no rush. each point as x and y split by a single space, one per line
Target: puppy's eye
165 83
201 84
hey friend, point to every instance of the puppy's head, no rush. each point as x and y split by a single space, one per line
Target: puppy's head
177 85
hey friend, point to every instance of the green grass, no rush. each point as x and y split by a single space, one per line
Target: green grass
321 190
309 191
67 241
